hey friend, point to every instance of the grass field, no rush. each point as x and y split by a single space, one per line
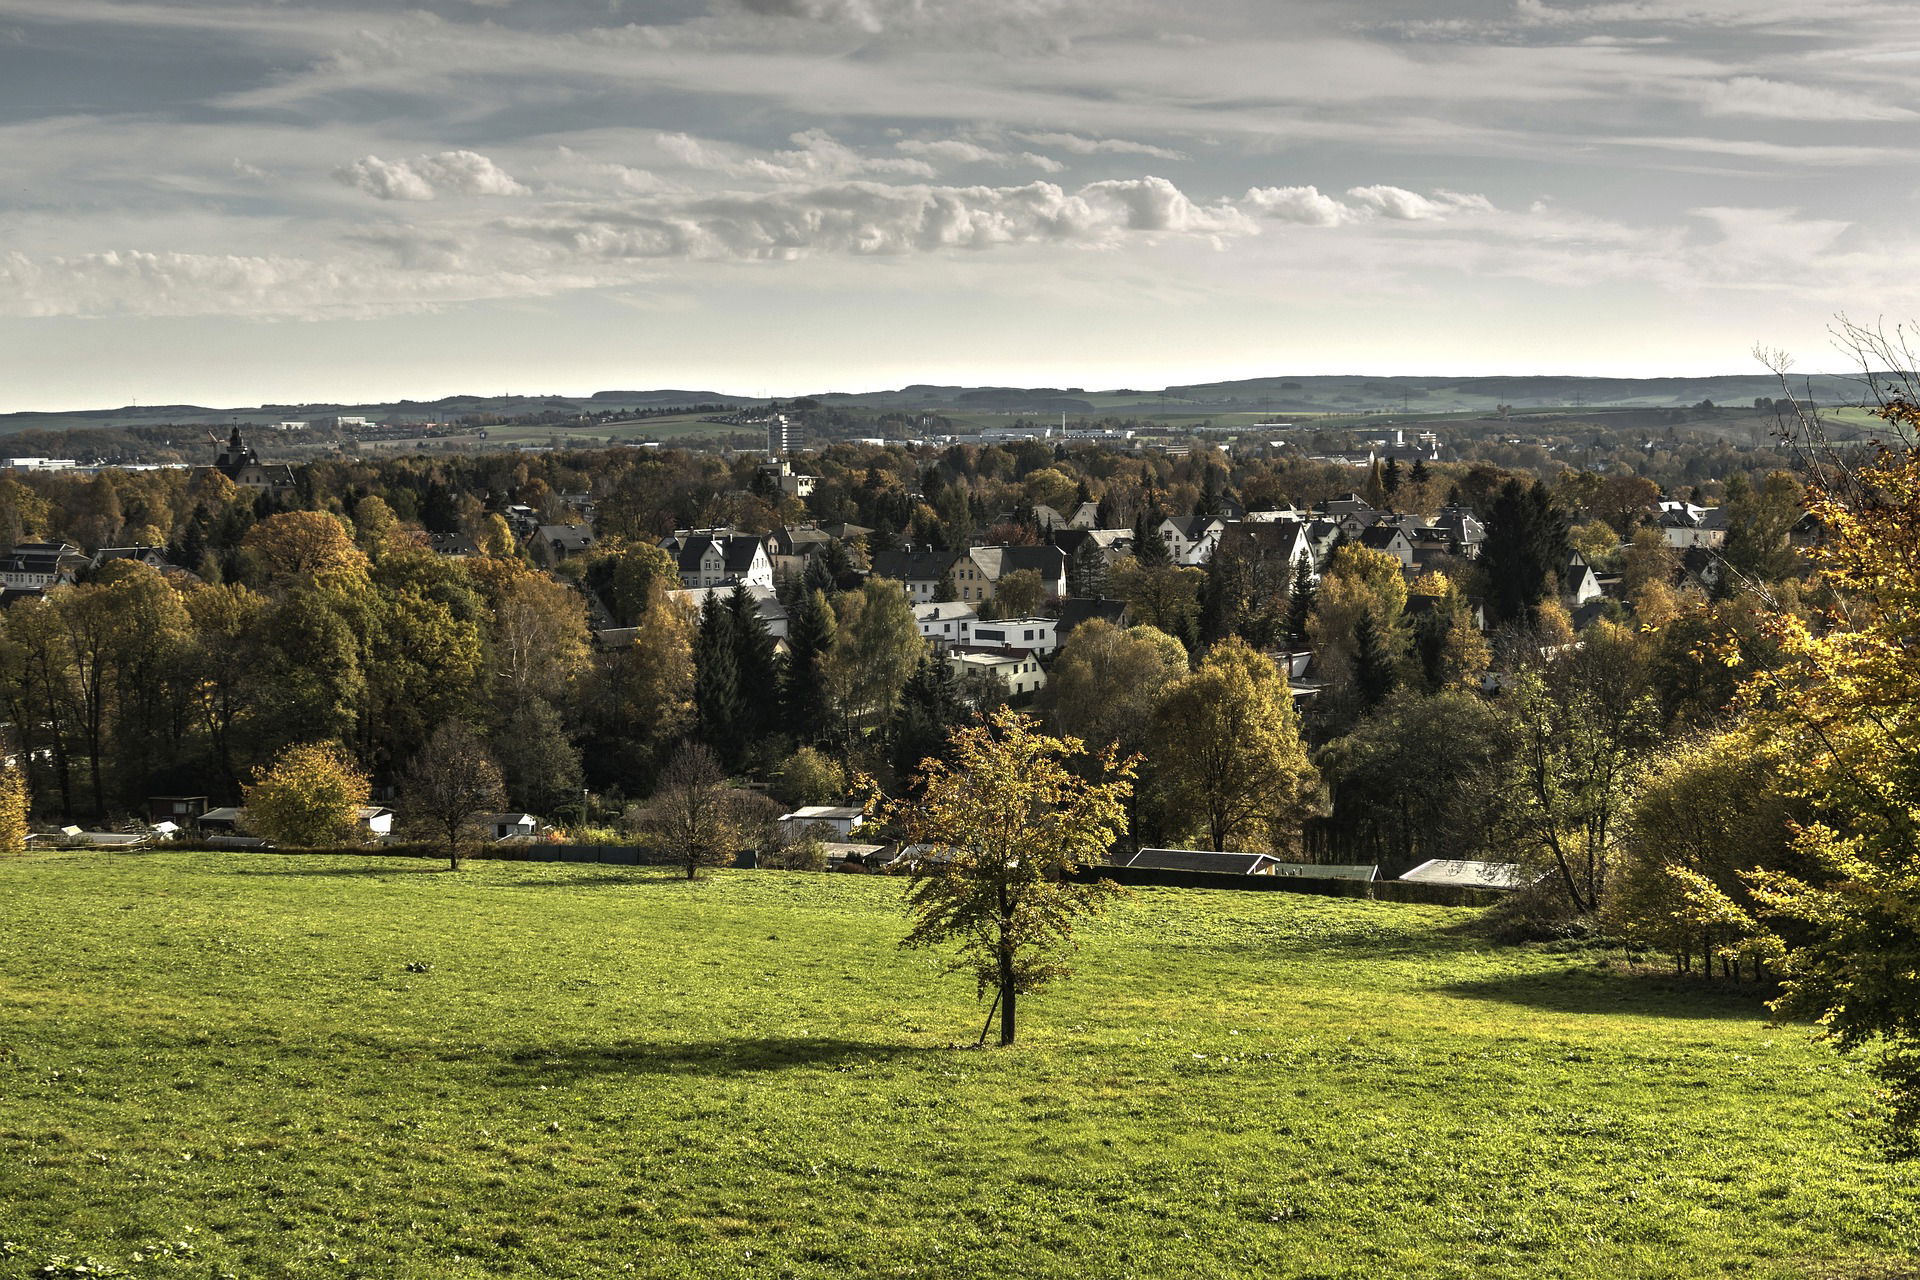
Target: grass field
249 1065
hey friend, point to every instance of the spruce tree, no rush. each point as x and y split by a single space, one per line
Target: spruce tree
1390 478
1374 673
803 691
1526 547
1149 548
756 667
1087 571
716 680
930 709
1300 599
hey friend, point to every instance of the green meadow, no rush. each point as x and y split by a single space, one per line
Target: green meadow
252 1065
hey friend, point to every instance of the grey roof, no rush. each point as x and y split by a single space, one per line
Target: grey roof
1243 864
572 537
1049 562
1465 873
1327 870
1075 610
912 564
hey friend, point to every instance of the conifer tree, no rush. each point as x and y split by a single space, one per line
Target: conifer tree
756 667
803 690
716 679
1300 599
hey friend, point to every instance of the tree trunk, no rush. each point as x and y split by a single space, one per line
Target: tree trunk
692 867
1006 1000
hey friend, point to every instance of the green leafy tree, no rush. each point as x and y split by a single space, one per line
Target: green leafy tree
1227 753
1003 828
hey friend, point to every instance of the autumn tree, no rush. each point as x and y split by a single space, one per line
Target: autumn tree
1227 753
876 646
1105 683
1844 710
447 785
309 796
13 809
1002 829
695 818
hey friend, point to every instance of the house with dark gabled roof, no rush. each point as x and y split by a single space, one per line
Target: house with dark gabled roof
565 540
1391 539
1344 505
1191 539
918 567
32 567
719 558
980 570
1075 610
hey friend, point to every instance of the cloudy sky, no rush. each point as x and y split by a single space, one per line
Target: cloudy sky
230 201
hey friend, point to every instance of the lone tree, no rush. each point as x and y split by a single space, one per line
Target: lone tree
309 795
451 780
695 818
13 809
1004 822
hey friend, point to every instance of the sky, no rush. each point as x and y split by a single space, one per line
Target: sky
229 202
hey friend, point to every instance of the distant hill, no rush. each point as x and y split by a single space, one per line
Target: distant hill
1318 393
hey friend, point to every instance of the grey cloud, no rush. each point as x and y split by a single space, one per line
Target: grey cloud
865 218
465 173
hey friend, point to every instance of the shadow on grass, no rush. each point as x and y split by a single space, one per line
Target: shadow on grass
606 879
701 1057
1630 994
409 867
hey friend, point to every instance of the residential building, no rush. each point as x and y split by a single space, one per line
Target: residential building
719 558
918 567
1037 634
980 570
563 540
1020 672
946 623
766 603
824 821
1191 539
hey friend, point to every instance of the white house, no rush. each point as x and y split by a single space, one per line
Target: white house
1041 635
946 623
720 559
1191 539
1019 672
373 820
829 822
507 826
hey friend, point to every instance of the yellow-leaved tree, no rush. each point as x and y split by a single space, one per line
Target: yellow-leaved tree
13 808
308 796
999 828
1844 713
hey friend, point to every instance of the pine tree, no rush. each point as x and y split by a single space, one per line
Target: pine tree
1224 593
930 709
1525 548
1300 599
803 691
1374 672
1149 548
756 666
716 679
1106 513
1087 571
1420 475
1390 478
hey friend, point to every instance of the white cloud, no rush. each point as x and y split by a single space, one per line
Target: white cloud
1081 146
1755 96
1308 206
816 156
1303 205
1402 205
463 173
